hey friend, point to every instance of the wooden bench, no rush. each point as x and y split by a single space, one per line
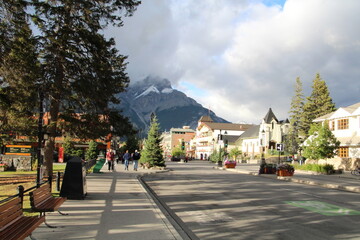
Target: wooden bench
42 201
13 224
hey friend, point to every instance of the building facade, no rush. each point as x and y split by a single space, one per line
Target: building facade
260 138
208 138
176 137
345 125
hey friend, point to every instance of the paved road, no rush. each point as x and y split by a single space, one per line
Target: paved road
215 204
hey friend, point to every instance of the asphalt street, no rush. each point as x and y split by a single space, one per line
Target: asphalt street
212 204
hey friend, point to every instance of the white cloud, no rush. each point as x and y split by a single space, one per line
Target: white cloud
244 56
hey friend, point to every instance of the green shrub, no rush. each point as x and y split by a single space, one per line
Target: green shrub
327 168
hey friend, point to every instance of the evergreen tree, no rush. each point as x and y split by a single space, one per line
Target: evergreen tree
322 144
152 154
19 70
81 71
132 143
317 104
292 140
91 152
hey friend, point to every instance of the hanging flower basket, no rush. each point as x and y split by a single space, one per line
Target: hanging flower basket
230 164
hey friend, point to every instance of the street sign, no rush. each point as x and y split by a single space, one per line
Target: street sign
280 147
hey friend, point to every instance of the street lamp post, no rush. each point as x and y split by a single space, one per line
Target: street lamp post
40 137
220 138
262 146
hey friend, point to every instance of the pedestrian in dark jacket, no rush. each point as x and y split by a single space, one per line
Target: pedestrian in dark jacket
136 157
126 158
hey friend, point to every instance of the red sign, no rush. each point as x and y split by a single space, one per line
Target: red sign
61 155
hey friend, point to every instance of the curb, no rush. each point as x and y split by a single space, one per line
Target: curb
173 220
296 180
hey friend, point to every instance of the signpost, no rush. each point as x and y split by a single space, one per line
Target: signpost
22 150
280 148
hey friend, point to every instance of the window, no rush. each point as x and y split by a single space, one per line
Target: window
332 125
344 152
343 124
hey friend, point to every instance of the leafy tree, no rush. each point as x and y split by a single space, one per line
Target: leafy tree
322 143
81 71
292 140
317 104
152 154
177 151
235 152
218 155
91 152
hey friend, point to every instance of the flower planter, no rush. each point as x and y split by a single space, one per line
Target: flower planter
269 170
230 165
284 173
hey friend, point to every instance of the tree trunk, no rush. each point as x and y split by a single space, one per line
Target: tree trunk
53 118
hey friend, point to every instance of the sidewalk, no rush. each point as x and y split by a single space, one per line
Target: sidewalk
345 181
116 207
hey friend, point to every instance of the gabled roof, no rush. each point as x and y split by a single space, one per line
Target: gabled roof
323 118
230 138
270 116
252 132
350 109
284 121
205 119
228 126
182 130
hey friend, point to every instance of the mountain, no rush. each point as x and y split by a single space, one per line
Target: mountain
172 107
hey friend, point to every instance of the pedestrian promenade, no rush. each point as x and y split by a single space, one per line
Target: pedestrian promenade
116 207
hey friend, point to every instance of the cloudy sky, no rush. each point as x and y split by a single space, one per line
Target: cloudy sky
241 57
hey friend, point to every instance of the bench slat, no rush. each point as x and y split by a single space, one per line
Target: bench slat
21 228
10 211
13 224
42 200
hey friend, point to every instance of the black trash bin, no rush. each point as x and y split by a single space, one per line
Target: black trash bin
74 181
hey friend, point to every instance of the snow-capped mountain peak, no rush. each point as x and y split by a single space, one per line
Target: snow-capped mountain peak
155 95
149 90
167 90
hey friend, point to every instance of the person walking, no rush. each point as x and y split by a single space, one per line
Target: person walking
126 158
110 157
136 157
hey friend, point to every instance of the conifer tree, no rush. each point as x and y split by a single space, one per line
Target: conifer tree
317 104
292 140
19 69
81 71
91 152
152 154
